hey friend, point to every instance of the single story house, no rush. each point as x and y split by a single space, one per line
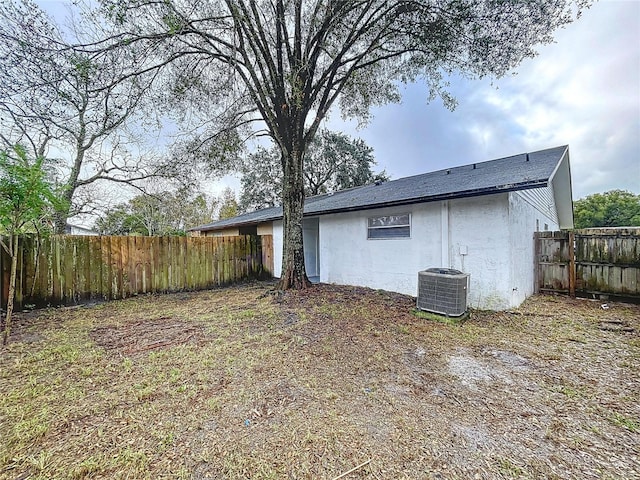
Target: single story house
79 230
478 218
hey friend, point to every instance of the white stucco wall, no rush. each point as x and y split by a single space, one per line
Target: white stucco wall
497 233
479 227
525 217
348 257
489 237
471 235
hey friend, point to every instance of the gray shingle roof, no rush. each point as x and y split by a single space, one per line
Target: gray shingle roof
518 172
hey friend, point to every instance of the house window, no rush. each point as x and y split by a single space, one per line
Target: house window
389 226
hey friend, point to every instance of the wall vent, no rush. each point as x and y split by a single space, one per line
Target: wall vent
443 291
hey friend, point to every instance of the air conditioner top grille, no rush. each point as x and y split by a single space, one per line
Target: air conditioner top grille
444 271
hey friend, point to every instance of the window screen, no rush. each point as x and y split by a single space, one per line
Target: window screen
389 226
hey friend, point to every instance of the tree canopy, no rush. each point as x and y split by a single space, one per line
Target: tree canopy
278 67
164 213
27 199
62 103
228 204
615 208
334 161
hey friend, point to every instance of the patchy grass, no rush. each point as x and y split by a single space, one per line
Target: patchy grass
244 383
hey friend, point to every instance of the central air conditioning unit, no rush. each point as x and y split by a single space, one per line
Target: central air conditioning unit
443 291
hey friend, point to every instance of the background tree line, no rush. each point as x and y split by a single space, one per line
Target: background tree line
616 208
166 213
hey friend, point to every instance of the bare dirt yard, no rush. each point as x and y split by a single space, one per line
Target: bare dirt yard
335 382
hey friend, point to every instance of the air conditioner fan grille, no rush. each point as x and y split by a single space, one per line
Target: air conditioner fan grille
442 291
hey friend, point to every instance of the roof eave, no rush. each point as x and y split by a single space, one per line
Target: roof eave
412 201
435 198
213 228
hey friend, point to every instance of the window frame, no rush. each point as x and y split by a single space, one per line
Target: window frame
389 227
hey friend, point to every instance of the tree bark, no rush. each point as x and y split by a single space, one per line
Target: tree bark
293 274
61 215
12 289
60 222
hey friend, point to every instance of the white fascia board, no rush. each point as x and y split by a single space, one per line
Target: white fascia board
560 181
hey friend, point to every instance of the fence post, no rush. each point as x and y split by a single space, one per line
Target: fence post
1 278
536 262
572 264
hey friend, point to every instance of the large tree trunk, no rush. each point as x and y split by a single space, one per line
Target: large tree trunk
13 246
293 274
61 215
60 223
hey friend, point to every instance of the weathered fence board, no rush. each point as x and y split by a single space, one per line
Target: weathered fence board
589 262
72 269
552 250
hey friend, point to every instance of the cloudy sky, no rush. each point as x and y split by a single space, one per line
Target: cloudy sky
583 91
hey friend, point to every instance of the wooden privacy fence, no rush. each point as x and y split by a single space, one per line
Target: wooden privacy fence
589 262
67 269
